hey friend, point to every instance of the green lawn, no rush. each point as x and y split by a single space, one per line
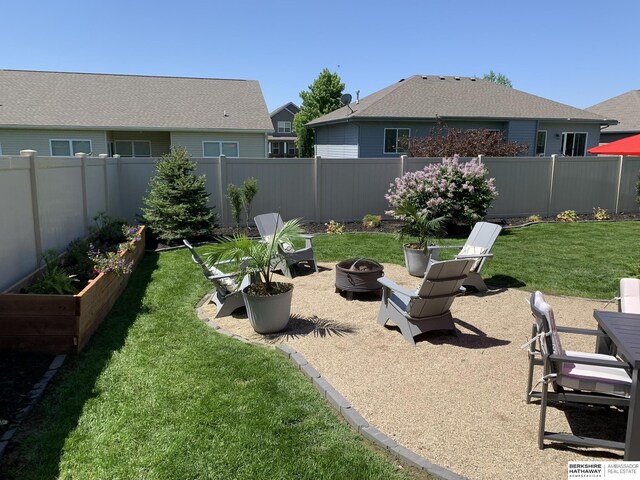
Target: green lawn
579 259
159 395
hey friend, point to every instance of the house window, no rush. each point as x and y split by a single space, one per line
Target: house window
68 148
541 142
275 148
395 140
215 149
132 148
292 151
574 144
284 127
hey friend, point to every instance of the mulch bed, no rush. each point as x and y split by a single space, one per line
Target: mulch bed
392 226
19 372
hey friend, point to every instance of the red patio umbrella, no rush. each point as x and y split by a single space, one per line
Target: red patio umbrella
626 146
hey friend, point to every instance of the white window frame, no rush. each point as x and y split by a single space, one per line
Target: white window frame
70 142
133 149
544 148
563 141
284 127
220 142
384 140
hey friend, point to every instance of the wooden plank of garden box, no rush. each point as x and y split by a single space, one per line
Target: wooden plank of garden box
96 304
54 344
38 325
16 304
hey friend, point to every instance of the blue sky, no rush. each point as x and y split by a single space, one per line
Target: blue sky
575 52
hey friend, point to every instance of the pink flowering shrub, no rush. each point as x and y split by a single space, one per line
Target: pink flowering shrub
460 192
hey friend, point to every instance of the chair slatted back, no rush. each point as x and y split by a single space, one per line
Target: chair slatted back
268 224
548 336
483 235
441 284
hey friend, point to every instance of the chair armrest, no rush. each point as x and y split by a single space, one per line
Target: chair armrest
476 255
391 285
582 331
307 239
224 275
438 247
590 361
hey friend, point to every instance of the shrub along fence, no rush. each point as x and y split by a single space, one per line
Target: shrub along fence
49 201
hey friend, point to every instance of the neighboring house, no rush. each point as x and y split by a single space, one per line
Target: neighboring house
626 109
282 143
374 125
60 114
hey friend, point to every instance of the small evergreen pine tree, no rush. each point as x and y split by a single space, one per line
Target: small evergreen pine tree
176 202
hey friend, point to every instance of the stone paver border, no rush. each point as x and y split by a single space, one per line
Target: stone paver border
342 405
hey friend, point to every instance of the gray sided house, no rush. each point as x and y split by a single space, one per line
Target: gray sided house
282 143
626 109
61 114
373 126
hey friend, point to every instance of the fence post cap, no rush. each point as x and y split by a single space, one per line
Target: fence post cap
81 155
103 155
28 153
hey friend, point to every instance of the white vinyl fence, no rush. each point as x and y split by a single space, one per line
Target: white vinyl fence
49 201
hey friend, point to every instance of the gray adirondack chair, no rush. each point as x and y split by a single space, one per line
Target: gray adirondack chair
576 377
428 307
228 294
478 246
270 223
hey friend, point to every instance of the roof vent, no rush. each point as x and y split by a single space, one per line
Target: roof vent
401 80
424 77
457 78
473 79
441 78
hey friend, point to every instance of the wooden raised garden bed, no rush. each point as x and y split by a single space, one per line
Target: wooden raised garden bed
61 323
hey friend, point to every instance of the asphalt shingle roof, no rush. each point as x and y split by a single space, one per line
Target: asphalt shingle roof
429 96
88 100
625 108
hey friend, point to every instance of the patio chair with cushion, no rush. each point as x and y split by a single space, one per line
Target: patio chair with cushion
427 308
478 246
228 294
270 223
575 377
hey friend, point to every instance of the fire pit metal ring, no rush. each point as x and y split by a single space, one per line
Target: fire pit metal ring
358 275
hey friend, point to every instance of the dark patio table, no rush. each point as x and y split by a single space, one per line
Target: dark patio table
624 331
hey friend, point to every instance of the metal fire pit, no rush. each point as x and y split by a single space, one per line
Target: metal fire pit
358 275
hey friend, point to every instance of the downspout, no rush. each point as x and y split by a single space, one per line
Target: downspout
266 145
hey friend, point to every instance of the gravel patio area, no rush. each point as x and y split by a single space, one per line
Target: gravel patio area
457 400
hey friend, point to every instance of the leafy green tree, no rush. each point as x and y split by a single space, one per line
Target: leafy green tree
497 78
234 194
176 205
322 97
249 192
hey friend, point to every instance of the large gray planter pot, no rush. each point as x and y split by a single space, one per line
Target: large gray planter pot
416 261
268 314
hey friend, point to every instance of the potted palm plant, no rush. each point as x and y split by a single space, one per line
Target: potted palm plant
268 301
425 230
